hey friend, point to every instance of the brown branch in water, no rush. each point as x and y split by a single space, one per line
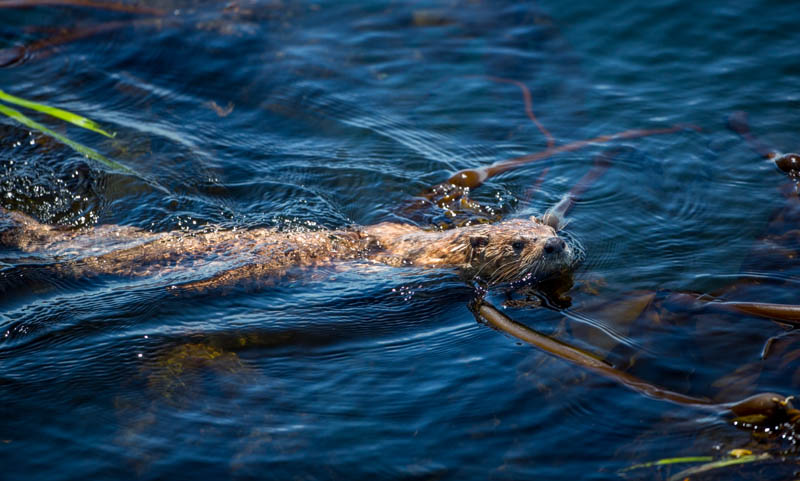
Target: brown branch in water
789 163
110 6
474 178
526 95
737 122
771 405
601 164
11 55
500 321
779 312
537 186
556 216
220 111
789 313
19 53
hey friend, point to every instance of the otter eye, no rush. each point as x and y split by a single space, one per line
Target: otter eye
478 241
518 245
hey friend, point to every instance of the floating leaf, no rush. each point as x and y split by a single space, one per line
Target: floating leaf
55 112
740 452
88 152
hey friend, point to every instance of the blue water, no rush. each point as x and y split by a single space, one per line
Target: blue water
303 115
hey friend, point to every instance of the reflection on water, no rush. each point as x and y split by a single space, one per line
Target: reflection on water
308 116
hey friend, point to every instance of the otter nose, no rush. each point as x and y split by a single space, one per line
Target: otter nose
554 245
789 163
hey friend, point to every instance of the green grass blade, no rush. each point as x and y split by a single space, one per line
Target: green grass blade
723 463
668 461
55 112
88 152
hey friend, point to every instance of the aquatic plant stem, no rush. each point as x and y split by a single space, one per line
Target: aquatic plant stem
526 95
789 313
489 314
780 312
556 216
737 122
788 162
770 405
473 178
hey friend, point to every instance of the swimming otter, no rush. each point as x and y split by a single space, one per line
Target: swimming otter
519 250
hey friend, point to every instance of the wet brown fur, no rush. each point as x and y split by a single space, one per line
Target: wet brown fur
503 252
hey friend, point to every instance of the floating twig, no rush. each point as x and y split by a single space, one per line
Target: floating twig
770 405
488 313
781 312
788 163
473 178
556 216
17 54
737 122
220 111
526 94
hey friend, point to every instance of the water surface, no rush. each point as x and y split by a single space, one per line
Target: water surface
304 115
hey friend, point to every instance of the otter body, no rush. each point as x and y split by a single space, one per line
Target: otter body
508 251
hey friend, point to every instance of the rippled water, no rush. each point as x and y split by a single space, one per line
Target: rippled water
323 115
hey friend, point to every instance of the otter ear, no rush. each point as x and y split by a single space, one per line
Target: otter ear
477 241
535 219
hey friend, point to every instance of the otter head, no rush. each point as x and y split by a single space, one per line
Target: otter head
519 251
